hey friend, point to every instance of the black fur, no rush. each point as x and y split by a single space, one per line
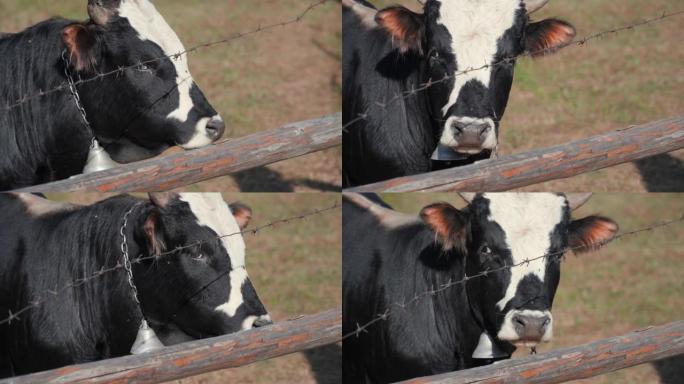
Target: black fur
99 319
44 139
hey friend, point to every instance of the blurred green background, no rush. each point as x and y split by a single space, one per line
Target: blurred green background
258 82
629 284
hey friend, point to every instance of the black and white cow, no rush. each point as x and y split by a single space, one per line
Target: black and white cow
388 53
389 258
135 115
196 292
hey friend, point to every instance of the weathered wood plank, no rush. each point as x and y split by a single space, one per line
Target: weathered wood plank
578 362
539 165
202 356
182 169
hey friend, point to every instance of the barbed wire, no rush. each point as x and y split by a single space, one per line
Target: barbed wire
383 104
43 297
120 70
451 283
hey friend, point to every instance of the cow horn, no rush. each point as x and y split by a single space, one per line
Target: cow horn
576 200
467 196
365 13
162 199
534 5
99 12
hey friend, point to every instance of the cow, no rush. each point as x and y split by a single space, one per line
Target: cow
410 265
437 82
191 284
135 114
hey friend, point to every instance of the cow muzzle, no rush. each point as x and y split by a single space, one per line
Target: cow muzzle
256 322
527 327
469 135
207 131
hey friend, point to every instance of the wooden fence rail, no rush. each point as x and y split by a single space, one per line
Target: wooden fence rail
182 169
578 362
202 356
539 165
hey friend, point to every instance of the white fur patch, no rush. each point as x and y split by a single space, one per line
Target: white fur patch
475 27
248 322
235 300
527 220
211 211
508 332
151 26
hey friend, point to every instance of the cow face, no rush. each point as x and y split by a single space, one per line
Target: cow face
459 41
508 229
143 110
203 290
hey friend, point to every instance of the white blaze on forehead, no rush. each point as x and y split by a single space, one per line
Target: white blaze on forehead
235 300
151 26
527 219
211 211
475 27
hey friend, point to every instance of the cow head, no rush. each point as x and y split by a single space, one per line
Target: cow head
202 290
454 36
508 229
143 110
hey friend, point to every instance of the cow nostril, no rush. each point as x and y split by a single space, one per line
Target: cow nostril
262 322
215 128
483 129
519 321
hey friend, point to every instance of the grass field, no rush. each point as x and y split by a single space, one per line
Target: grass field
296 270
629 284
258 82
619 80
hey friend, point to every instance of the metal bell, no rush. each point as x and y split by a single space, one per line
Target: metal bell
146 340
487 349
98 159
444 153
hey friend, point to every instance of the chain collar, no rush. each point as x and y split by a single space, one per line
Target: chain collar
126 258
77 98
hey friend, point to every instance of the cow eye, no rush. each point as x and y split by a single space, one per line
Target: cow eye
486 251
144 68
199 257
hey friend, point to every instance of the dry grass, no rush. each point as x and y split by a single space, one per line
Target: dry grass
258 82
629 284
295 269
620 80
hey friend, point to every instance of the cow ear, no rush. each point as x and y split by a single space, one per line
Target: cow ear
448 223
590 233
80 41
547 36
153 233
404 26
242 214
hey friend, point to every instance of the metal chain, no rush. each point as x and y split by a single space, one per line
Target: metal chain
77 98
124 252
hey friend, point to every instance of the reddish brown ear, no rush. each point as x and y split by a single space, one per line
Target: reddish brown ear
80 43
590 233
404 26
546 36
242 214
448 223
152 233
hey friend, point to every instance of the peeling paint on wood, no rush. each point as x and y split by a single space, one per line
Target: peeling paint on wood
578 362
185 168
202 356
539 165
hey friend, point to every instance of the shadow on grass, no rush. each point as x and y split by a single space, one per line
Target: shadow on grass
670 370
326 363
662 173
263 179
